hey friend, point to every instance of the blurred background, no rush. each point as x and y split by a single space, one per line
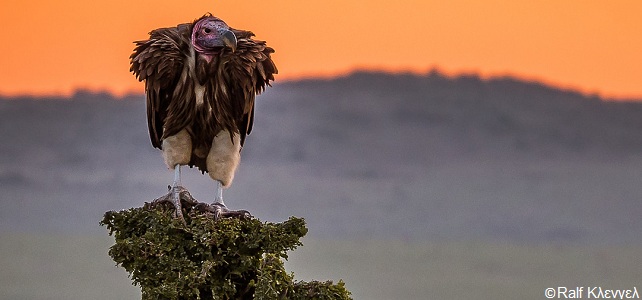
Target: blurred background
471 149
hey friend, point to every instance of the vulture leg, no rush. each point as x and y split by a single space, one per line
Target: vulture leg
176 191
222 160
219 193
177 150
220 210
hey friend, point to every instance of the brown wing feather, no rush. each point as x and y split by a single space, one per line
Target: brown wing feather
159 61
252 70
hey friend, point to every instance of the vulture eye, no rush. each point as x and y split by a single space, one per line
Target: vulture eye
207 30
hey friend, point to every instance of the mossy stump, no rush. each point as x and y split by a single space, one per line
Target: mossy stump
205 258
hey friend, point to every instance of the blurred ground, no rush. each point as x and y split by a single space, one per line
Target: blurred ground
40 267
481 186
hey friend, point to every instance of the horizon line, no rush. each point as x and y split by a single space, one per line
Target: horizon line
588 93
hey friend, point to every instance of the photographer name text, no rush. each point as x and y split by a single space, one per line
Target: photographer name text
590 292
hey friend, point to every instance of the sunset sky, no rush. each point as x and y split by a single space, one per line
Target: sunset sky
55 47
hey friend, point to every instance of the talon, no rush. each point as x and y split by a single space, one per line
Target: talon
221 211
176 195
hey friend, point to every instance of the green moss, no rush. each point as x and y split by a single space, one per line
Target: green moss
210 259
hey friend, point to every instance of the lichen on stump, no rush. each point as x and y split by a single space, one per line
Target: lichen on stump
204 258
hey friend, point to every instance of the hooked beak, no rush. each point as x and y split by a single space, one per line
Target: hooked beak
229 39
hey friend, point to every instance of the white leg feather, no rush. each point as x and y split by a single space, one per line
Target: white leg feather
177 149
224 157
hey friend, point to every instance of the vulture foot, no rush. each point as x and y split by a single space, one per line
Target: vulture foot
180 197
175 196
221 211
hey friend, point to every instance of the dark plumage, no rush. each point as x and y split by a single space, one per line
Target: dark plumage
199 84
201 79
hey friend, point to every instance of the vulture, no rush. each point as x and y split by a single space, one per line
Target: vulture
201 79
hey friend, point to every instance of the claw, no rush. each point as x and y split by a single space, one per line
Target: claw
221 211
178 193
175 196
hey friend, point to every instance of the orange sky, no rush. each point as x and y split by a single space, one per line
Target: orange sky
53 47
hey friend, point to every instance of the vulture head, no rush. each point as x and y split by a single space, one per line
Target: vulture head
210 35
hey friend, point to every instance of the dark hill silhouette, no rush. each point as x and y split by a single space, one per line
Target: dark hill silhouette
522 116
365 155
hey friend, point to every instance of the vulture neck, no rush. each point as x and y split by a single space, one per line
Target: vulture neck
205 66
208 56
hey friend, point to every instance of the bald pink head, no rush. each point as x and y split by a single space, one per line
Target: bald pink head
211 35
